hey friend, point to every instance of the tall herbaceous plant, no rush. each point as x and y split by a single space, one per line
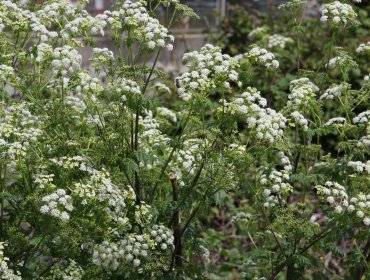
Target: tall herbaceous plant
113 170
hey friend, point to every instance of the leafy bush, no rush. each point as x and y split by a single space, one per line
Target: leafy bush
116 172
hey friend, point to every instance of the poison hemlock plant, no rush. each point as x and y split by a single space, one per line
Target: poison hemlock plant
101 177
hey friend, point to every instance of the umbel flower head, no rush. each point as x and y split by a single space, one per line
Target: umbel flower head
338 14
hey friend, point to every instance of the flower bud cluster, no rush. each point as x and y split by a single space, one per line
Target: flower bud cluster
363 47
132 249
360 166
336 121
67 271
334 91
299 120
208 69
338 14
263 57
302 91
133 16
5 271
57 205
278 41
363 117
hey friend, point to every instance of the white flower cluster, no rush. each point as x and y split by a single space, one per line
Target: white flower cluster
85 23
75 103
18 129
338 61
265 122
336 195
278 40
241 217
274 182
23 19
161 88
258 32
99 187
334 91
131 250
367 78
43 53
6 73
162 236
300 120
66 61
363 47
262 56
360 166
364 141
208 69
361 204
74 162
186 158
88 84
339 14
101 57
270 125
302 91
133 16
167 113
124 86
69 271
56 11
57 205
2 26
336 121
238 149
5 271
363 117
115 198
205 254
44 180
151 132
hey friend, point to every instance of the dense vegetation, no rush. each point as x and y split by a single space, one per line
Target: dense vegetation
252 164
